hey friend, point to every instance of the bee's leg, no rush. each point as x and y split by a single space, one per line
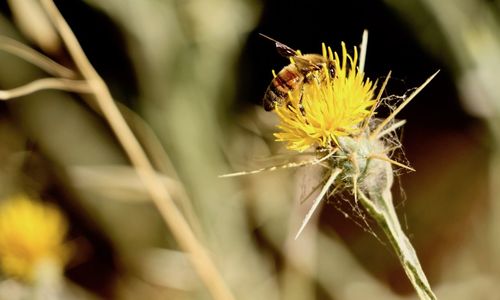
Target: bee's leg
289 104
301 107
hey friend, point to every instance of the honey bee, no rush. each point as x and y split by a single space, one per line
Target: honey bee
293 77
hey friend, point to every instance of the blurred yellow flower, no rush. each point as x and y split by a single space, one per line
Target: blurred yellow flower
31 234
329 106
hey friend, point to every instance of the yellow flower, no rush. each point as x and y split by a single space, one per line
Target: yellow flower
328 106
31 234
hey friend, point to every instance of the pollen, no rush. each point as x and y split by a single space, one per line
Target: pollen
31 234
329 105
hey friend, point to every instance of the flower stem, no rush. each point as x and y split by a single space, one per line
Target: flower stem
379 205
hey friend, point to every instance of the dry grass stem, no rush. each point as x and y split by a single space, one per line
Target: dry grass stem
69 85
178 225
36 58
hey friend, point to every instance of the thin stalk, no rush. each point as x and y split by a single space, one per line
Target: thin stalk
69 85
381 208
36 58
181 230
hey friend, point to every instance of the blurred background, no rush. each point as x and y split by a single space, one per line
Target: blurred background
189 77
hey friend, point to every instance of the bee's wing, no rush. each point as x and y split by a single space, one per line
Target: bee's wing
282 49
305 65
302 63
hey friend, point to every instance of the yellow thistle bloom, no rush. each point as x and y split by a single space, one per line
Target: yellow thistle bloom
31 234
328 107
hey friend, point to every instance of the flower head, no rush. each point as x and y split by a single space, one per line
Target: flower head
330 105
332 113
31 233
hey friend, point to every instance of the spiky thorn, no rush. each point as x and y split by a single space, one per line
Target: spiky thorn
282 166
386 121
385 158
318 199
377 102
391 128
